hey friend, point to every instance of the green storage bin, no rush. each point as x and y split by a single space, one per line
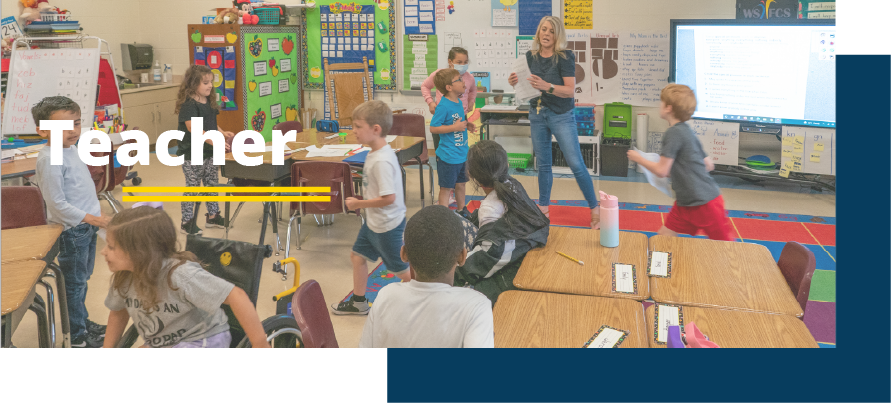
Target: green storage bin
519 161
617 118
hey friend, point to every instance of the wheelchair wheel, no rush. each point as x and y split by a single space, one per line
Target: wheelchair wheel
281 331
129 338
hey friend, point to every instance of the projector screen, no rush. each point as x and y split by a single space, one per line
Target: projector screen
774 73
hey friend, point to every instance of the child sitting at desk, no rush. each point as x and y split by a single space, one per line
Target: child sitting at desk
700 205
510 224
70 196
428 311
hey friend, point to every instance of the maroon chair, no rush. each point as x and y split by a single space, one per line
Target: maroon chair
311 313
22 207
289 125
412 125
797 263
334 175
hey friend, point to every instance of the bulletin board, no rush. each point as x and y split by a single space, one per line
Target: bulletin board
227 36
271 76
381 57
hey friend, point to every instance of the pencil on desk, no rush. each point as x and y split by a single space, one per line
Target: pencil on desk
571 258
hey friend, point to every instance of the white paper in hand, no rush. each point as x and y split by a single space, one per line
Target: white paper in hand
657 182
524 90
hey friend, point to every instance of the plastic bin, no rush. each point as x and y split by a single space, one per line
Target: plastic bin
614 157
519 161
269 15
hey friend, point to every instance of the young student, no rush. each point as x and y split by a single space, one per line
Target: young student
70 196
196 99
381 234
459 61
428 311
450 123
510 224
173 301
699 204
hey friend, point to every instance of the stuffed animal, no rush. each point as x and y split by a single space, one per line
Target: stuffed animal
30 10
227 16
244 11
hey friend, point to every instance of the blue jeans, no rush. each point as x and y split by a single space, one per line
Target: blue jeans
562 126
77 255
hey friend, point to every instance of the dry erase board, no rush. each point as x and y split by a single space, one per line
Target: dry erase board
36 74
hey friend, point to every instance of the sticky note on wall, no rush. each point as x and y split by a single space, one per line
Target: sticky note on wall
818 146
815 157
799 148
788 141
787 152
796 158
799 140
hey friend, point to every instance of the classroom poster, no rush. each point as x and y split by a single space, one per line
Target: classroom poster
419 16
221 61
271 80
504 13
530 13
349 35
419 59
384 43
578 14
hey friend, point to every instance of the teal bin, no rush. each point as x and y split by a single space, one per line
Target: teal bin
617 121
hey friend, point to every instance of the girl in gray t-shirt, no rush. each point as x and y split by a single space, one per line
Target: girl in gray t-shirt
173 301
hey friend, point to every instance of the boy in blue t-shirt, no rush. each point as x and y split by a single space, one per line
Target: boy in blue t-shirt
450 123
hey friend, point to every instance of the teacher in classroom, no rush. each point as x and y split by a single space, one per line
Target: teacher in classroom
552 69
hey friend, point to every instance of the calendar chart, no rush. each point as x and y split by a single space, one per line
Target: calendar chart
347 33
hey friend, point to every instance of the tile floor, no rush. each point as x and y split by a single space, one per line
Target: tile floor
325 253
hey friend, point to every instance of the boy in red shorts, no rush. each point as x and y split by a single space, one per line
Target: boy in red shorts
699 205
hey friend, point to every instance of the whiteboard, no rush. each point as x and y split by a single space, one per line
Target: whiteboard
40 73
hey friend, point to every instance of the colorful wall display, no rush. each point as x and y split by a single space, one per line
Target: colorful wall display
221 61
272 77
380 15
419 58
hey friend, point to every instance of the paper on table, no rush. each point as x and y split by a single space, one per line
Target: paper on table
341 146
659 264
668 316
524 90
390 139
657 182
499 108
313 151
624 278
607 338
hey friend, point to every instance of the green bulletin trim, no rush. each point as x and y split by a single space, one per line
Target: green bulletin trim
264 76
385 74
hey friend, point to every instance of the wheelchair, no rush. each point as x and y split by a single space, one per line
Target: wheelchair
241 264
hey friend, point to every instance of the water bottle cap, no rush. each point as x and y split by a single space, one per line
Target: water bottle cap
608 201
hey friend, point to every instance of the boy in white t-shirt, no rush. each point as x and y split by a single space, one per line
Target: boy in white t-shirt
381 235
428 311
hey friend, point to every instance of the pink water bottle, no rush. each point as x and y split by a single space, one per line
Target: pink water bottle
609 220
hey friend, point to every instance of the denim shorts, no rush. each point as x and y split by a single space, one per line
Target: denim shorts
385 246
450 174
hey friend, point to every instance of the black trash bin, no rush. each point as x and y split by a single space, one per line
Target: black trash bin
614 157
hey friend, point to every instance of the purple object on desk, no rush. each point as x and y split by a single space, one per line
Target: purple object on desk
157 205
674 337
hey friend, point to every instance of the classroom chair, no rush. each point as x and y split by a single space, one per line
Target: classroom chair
797 263
108 177
347 89
23 206
335 175
313 319
412 125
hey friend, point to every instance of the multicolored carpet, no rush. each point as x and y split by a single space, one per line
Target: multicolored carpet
768 229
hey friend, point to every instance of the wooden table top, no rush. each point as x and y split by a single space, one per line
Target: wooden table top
719 274
541 319
28 243
738 329
545 270
310 137
17 280
18 167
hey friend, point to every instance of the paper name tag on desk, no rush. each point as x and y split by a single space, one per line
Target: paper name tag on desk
607 337
660 264
624 279
667 315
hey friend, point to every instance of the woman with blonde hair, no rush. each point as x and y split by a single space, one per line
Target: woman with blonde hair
553 73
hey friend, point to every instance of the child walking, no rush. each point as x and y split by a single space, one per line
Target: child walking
173 301
510 224
197 99
699 204
450 123
381 234
70 196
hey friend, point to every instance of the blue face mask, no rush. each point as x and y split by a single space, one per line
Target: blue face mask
462 68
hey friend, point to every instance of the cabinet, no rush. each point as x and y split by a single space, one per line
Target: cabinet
151 110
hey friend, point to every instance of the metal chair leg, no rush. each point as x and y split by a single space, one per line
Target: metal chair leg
42 330
63 304
430 169
50 311
421 175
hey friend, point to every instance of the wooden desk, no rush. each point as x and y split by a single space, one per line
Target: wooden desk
719 274
19 168
544 270
18 279
28 243
538 319
737 329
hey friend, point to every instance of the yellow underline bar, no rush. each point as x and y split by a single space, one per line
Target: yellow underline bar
224 189
227 198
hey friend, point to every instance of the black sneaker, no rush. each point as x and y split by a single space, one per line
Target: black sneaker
216 222
463 213
96 329
86 340
190 229
350 307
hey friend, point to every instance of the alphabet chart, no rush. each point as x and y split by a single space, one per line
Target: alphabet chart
38 73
